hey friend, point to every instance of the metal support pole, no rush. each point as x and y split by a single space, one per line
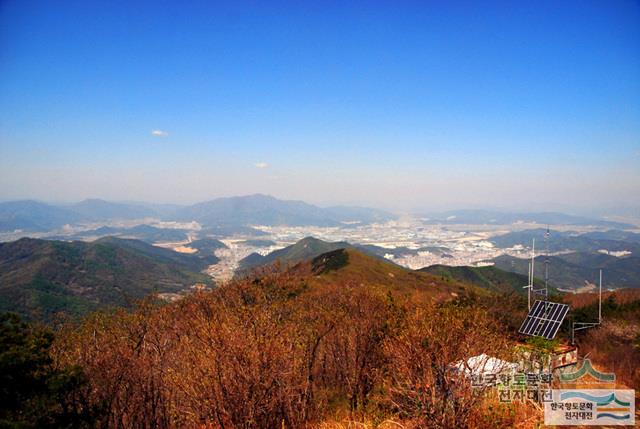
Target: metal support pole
600 300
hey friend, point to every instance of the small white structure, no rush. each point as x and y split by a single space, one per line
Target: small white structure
484 365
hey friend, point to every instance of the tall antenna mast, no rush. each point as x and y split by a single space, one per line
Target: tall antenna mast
578 326
542 291
546 263
545 291
533 258
531 273
528 287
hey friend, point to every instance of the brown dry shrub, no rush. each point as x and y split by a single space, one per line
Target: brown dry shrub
256 353
272 351
615 345
423 386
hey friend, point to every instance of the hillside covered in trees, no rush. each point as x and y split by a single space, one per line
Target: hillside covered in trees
339 340
343 336
39 278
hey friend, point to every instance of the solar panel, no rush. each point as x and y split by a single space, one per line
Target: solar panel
544 319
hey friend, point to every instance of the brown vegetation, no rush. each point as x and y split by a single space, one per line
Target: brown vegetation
279 350
623 296
423 387
615 347
615 344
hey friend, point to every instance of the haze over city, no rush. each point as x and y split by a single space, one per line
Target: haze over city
424 106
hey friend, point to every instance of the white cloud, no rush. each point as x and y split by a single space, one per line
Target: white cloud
159 133
261 164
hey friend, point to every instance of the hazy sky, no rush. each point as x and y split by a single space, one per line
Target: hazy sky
392 104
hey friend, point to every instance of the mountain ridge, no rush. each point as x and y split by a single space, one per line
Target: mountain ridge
261 209
225 212
304 249
39 278
574 270
490 217
488 277
558 241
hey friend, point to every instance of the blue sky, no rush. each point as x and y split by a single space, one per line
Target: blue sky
393 104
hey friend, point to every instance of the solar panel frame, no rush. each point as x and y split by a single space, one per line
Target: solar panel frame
544 319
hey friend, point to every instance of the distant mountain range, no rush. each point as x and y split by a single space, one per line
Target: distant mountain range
487 217
147 233
266 210
613 234
34 216
100 210
612 240
578 258
228 230
573 270
222 213
39 278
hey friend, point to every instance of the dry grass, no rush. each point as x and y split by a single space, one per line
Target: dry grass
363 424
615 347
